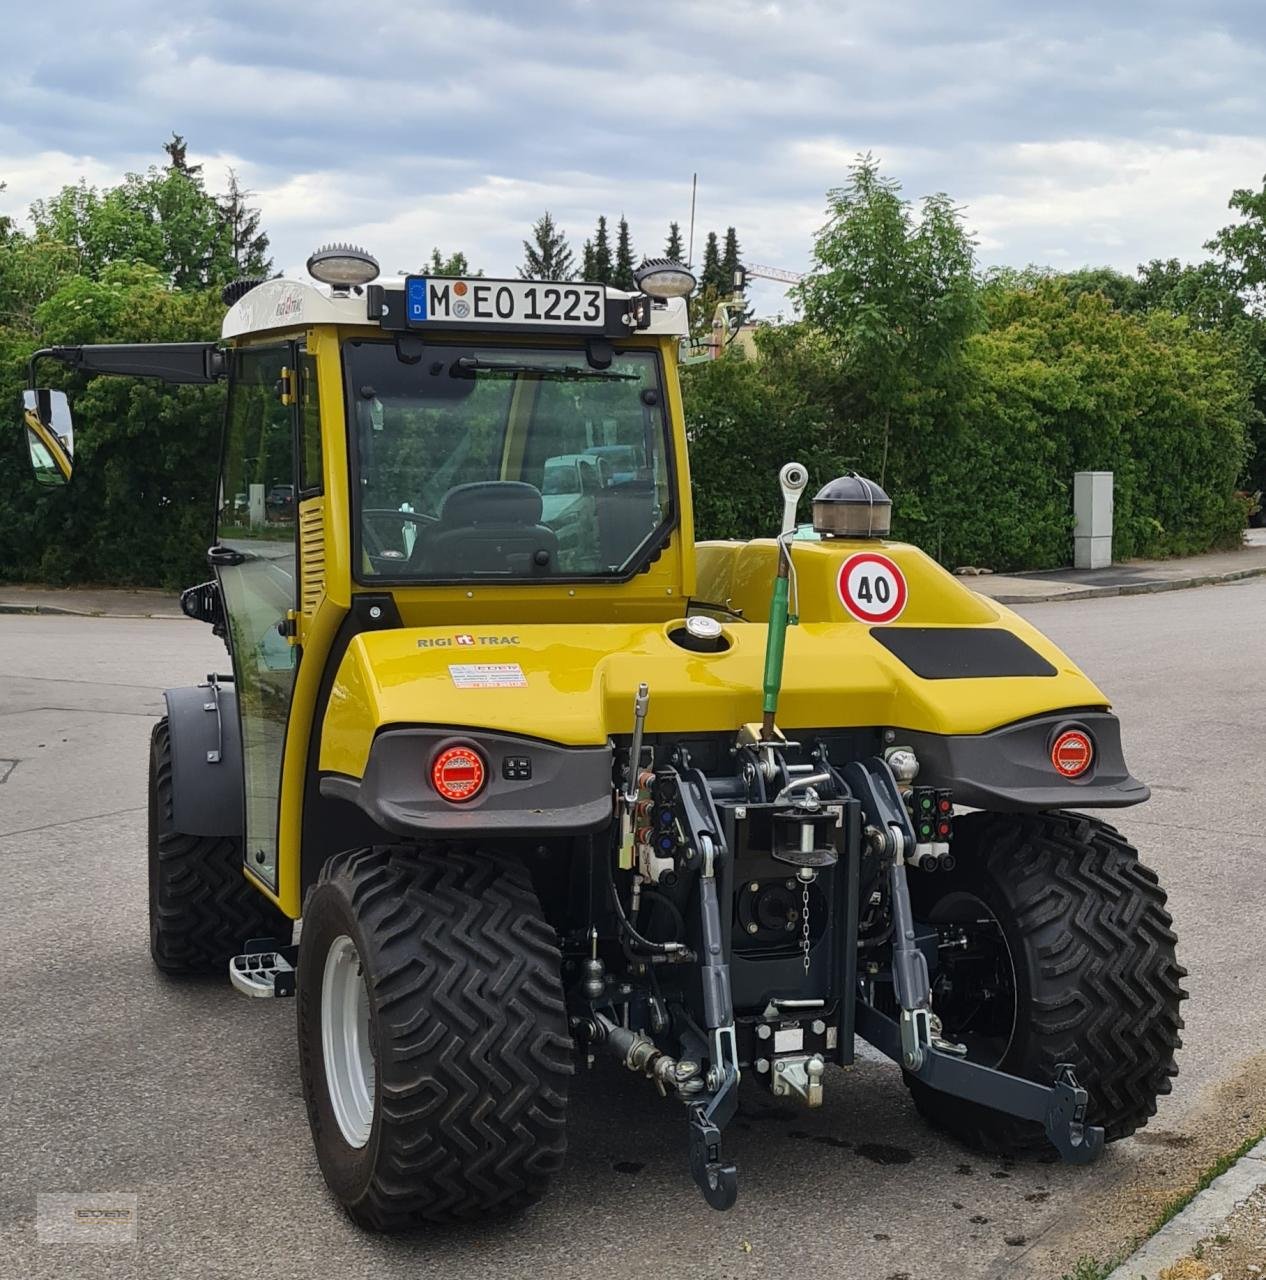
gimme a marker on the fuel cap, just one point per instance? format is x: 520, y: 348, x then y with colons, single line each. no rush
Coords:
x: 703, y: 628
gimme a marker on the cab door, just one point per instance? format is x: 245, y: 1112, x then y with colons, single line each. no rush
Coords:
x: 255, y: 561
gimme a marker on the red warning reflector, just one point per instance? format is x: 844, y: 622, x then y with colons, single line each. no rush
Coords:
x: 1072, y: 753
x: 458, y: 774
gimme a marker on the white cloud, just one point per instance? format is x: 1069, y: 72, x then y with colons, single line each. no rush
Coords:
x: 1073, y: 133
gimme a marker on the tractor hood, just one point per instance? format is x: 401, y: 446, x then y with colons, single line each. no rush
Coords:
x: 574, y: 686
x: 984, y: 699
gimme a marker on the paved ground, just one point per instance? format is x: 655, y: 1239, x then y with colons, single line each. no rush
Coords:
x: 186, y: 1094
x: 1129, y: 578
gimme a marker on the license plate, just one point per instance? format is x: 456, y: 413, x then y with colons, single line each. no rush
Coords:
x: 525, y: 303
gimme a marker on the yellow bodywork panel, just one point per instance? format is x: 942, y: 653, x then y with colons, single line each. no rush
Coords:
x: 578, y: 683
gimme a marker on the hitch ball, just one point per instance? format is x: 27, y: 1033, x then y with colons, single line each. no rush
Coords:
x: 850, y: 506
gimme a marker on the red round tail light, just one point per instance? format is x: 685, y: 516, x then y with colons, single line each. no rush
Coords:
x: 459, y: 774
x: 1072, y: 753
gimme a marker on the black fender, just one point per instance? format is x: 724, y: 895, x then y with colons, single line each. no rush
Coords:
x: 206, y: 760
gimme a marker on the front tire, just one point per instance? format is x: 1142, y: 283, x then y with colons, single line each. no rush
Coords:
x: 1070, y: 958
x: 433, y: 1037
x: 201, y: 907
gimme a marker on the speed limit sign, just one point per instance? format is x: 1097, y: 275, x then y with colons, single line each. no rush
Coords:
x: 872, y: 588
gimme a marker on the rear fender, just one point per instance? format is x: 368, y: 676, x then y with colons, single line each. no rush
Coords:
x: 206, y: 761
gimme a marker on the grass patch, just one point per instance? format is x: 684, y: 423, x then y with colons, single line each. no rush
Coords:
x: 1215, y: 1170
x: 1089, y: 1269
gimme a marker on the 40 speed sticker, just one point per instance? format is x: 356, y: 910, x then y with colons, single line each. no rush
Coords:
x: 872, y: 588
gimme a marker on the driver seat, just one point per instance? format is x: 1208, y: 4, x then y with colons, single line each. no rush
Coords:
x: 488, y: 527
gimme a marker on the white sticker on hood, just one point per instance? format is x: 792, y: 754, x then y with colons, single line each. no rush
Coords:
x: 487, y: 675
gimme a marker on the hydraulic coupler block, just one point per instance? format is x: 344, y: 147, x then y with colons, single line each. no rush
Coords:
x: 932, y: 813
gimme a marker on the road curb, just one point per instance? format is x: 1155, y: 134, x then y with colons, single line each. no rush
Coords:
x: 1199, y: 1220
x: 56, y: 611
x: 1131, y: 588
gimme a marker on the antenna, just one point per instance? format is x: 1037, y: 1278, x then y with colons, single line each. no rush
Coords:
x: 694, y: 188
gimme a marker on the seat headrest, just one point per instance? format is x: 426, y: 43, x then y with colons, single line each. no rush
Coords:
x: 491, y: 502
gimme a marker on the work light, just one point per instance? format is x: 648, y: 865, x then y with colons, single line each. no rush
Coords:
x: 342, y: 266
x: 664, y: 278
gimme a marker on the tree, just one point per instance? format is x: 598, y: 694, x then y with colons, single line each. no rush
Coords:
x: 730, y: 260
x: 455, y: 264
x: 898, y: 295
x: 177, y: 159
x: 163, y: 217
x: 622, y: 274
x: 1241, y: 247
x: 588, y: 264
x: 603, y: 268
x: 674, y: 250
x: 713, y: 276
x: 247, y: 243
x: 547, y: 256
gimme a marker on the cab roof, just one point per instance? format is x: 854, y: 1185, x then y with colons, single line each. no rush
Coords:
x: 277, y: 305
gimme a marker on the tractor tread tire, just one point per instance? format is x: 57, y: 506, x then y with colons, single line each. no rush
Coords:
x: 201, y: 907
x: 469, y: 1028
x: 1104, y: 981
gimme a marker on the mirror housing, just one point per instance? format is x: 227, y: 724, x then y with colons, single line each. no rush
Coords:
x: 204, y: 603
x: 50, y: 434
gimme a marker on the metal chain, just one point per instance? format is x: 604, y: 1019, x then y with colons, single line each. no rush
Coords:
x: 804, y: 940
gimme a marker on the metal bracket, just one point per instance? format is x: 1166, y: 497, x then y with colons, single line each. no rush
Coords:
x: 717, y: 1180
x: 215, y: 755
x: 1059, y: 1107
x: 798, y: 1077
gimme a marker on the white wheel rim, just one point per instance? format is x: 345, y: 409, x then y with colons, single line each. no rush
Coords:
x: 350, y: 1074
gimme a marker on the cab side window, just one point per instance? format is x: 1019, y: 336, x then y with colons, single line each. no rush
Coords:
x: 309, y: 428
x: 257, y: 499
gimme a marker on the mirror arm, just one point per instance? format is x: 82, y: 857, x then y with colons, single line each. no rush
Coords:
x: 195, y: 363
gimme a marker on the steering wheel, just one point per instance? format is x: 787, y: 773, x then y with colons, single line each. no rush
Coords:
x: 375, y: 547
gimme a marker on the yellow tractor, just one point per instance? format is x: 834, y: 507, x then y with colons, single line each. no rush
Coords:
x: 511, y: 773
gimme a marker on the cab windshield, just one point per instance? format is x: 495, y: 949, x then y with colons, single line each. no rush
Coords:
x: 506, y: 462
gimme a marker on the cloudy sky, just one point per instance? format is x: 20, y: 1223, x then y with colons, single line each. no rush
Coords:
x: 1070, y: 132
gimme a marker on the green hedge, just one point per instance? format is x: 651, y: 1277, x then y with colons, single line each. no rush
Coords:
x: 980, y: 469
x: 139, y: 511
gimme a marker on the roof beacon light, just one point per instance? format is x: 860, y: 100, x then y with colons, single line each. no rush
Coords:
x: 664, y: 278
x: 342, y: 266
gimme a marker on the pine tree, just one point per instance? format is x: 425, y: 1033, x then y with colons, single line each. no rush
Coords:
x: 602, y: 265
x: 730, y: 261
x: 246, y: 242
x: 713, y: 274
x: 547, y: 256
x: 674, y: 250
x: 588, y: 269
x: 176, y: 156
x: 622, y: 276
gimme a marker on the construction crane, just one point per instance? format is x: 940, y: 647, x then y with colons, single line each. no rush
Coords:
x: 757, y: 272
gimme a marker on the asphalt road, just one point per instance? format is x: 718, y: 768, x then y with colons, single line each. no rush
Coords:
x: 186, y: 1095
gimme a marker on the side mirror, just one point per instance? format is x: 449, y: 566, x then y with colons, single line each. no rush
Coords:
x: 204, y: 603
x: 49, y: 434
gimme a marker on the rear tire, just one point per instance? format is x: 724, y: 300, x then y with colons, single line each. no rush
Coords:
x: 1094, y: 977
x: 450, y: 1103
x: 201, y: 907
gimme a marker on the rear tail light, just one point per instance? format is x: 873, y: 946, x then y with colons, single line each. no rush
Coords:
x: 459, y: 774
x: 1072, y: 753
